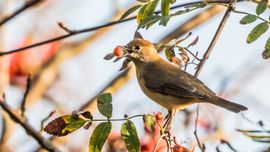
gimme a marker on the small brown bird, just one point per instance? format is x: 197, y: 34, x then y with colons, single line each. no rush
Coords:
x: 167, y: 84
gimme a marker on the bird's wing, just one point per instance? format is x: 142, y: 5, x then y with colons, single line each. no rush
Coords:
x: 173, y: 81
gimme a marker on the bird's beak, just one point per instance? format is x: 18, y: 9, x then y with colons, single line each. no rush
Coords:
x: 129, y: 52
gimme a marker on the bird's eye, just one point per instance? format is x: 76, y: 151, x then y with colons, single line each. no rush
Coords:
x: 137, y: 47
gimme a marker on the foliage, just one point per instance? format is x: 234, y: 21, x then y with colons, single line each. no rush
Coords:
x: 130, y: 136
x: 257, y: 135
x: 148, y: 16
x: 260, y: 28
x: 104, y: 104
x: 66, y: 124
x: 99, y: 136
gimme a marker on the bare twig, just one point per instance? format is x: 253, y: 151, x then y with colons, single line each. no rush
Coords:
x: 62, y: 26
x: 222, y: 141
x: 3, y: 130
x: 28, y: 85
x: 158, y: 142
x: 45, y: 119
x: 194, y: 55
x: 196, y: 128
x: 119, y: 119
x: 215, y: 38
x: 95, y: 28
x: 28, y: 128
x: 27, y: 5
x: 241, y: 12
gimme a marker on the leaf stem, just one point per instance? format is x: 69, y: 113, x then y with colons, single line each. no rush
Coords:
x: 119, y: 119
x: 246, y: 13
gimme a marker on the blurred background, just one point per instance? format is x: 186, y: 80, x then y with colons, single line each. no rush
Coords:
x: 68, y: 74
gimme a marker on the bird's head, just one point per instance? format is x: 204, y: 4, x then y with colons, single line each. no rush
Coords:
x: 140, y: 50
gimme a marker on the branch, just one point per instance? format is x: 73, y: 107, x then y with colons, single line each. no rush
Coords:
x: 215, y: 38
x: 119, y: 119
x: 245, y: 13
x: 28, y: 85
x: 48, y: 72
x: 196, y: 128
x: 206, y: 56
x: 27, y: 127
x: 3, y: 130
x: 222, y: 141
x: 76, y: 32
x: 27, y: 5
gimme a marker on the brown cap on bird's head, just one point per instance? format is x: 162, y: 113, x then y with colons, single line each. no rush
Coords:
x: 142, y: 50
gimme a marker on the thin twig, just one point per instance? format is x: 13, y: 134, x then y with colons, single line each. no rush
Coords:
x: 27, y: 5
x: 158, y: 142
x: 120, y: 119
x: 45, y: 119
x: 3, y: 130
x: 62, y: 26
x: 76, y: 32
x: 215, y: 38
x: 228, y: 144
x: 44, y: 143
x: 196, y: 128
x: 246, y: 13
x: 28, y: 85
x: 194, y: 55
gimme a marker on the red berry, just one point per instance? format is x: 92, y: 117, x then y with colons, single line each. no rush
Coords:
x: 118, y: 51
x: 178, y: 148
x: 159, y: 116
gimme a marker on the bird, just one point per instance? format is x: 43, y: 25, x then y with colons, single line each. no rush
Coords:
x: 167, y: 84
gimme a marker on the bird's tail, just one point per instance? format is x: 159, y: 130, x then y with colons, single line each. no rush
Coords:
x: 234, y: 107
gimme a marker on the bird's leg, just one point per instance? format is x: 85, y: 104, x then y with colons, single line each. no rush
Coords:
x: 169, y: 118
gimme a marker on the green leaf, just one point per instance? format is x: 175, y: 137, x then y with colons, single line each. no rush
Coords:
x: 165, y: 7
x: 267, y: 44
x: 152, y: 7
x: 129, y: 11
x: 248, y: 19
x: 143, y: 1
x: 147, y: 10
x: 257, y: 31
x: 130, y: 136
x: 164, y: 20
x: 141, y: 14
x: 64, y: 125
x: 172, y: 1
x: 168, y: 53
x: 149, y: 122
x: 99, y: 136
x: 196, y: 5
x: 189, y: 8
x: 261, y: 7
x: 149, y: 21
x: 179, y: 12
x: 104, y: 104
x: 266, y: 52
